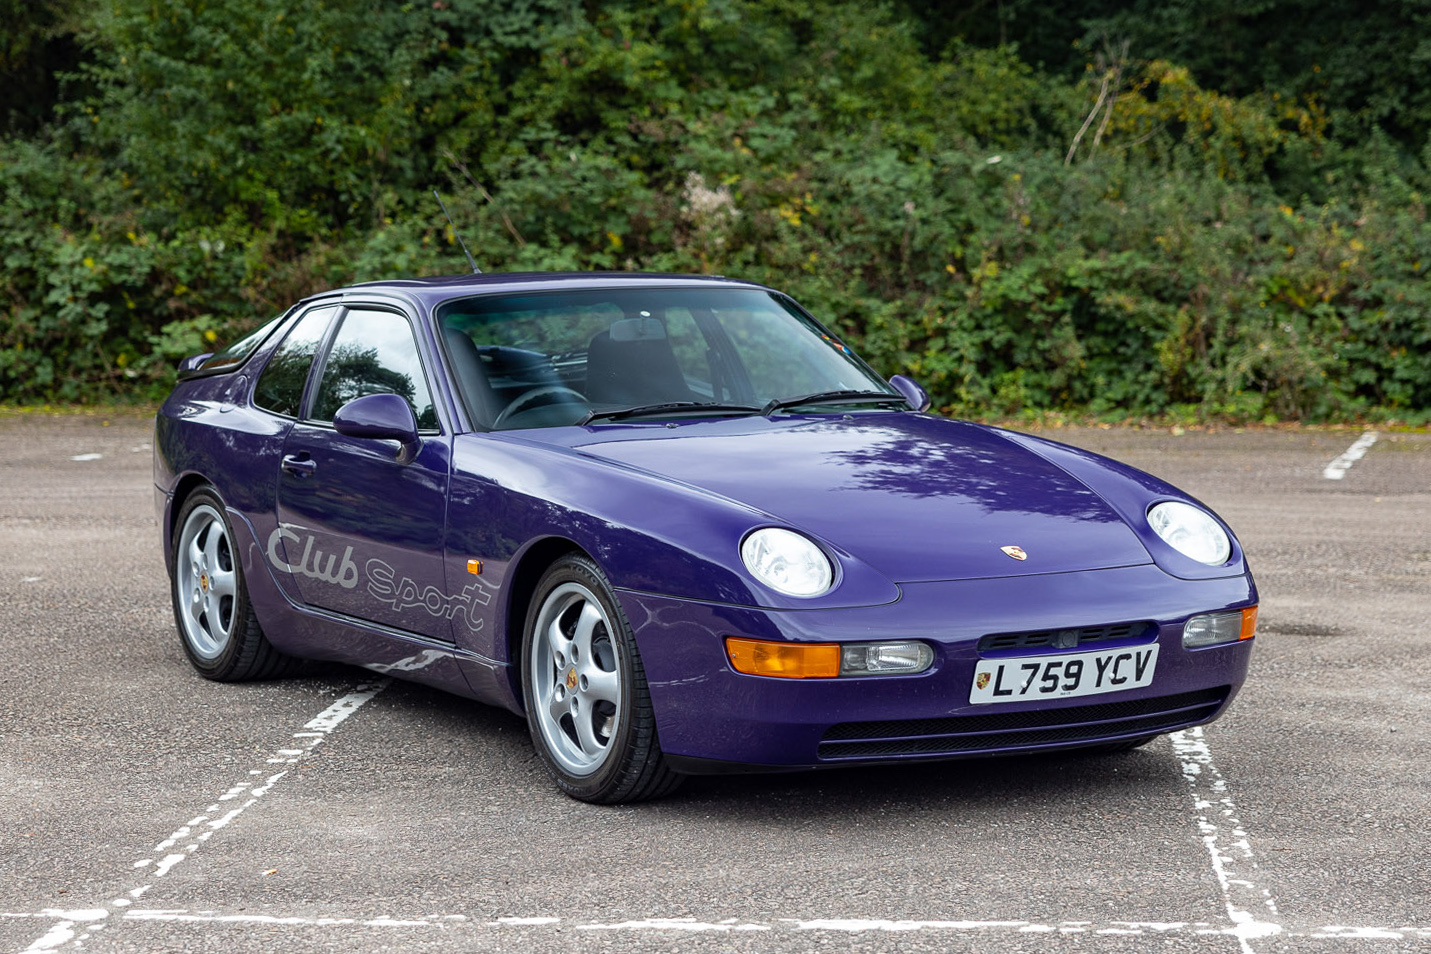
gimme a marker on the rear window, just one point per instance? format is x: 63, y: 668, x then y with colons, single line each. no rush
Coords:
x: 236, y: 353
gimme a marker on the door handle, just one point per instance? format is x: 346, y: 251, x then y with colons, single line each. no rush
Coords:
x: 299, y: 465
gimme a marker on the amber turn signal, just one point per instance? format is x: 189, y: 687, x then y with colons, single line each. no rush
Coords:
x: 756, y: 657
x: 1249, y: 623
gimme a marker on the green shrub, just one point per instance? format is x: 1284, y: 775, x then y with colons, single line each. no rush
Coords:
x: 1199, y: 254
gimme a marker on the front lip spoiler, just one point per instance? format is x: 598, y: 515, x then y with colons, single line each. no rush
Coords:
x: 693, y: 765
x: 1200, y: 715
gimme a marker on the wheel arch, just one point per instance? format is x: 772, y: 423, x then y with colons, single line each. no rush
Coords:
x: 245, y: 653
x: 522, y: 580
x: 183, y: 489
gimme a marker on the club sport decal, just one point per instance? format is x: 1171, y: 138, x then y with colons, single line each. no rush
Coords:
x: 382, y: 580
x: 312, y: 565
x: 406, y: 595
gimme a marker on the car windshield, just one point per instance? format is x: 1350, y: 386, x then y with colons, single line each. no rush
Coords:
x: 555, y: 359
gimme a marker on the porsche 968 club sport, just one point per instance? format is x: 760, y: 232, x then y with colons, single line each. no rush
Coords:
x: 680, y: 527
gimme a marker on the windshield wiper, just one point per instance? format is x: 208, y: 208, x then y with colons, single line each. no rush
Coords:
x: 639, y: 410
x: 831, y: 397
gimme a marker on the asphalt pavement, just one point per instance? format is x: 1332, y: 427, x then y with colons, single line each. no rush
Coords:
x: 144, y: 809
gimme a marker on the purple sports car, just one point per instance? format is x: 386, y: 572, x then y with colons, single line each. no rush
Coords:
x: 680, y: 526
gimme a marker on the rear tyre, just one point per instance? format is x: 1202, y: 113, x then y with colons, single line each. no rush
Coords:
x: 588, y: 706
x: 217, y: 626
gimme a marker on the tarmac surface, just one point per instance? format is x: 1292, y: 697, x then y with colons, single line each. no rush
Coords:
x: 145, y: 809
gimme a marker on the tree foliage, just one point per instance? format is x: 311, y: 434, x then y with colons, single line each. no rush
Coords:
x: 1024, y: 210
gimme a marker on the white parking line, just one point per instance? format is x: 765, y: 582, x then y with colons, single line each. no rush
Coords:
x: 1250, y: 908
x: 1338, y: 468
x: 63, y: 931
x: 845, y: 926
x: 77, y: 926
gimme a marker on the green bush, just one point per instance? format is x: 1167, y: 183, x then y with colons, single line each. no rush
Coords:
x: 1194, y: 254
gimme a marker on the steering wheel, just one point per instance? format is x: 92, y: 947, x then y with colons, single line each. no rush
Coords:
x: 527, y: 399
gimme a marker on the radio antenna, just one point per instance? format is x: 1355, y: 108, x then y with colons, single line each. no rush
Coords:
x: 475, y: 269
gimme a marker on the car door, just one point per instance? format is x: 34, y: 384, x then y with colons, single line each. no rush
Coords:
x: 360, y: 532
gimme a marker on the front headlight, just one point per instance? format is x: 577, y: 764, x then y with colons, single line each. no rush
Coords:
x: 1191, y: 532
x: 787, y: 562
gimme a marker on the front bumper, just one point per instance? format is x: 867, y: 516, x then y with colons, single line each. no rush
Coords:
x: 711, y: 718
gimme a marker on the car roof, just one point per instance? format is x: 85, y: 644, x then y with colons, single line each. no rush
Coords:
x: 432, y: 291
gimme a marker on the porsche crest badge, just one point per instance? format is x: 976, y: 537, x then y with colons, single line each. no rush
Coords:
x: 1016, y: 552
x: 981, y: 681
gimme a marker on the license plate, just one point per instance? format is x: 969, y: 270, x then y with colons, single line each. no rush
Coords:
x: 1020, y: 678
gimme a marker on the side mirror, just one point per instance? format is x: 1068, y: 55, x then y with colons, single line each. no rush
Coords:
x: 192, y: 362
x: 910, y: 390
x: 380, y: 417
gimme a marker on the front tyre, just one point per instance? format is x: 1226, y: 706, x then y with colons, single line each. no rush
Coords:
x: 588, y: 707
x: 217, y: 626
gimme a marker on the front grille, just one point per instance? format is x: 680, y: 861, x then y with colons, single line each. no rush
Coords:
x: 1004, y: 730
x: 1062, y: 638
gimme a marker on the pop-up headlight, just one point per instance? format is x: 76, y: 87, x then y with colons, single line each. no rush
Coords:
x: 787, y: 562
x: 1191, y: 532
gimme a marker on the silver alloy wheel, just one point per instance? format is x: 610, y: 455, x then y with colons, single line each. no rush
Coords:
x: 206, y: 582
x: 574, y: 679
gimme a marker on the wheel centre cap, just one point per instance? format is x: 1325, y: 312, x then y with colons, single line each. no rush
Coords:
x: 204, y: 582
x: 571, y: 679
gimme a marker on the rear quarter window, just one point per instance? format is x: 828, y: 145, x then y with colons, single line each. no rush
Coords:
x: 280, y: 386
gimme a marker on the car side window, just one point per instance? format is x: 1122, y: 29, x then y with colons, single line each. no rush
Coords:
x: 374, y: 352
x: 280, y: 386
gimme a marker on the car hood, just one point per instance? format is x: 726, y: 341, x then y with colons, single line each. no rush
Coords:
x: 915, y: 497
